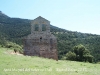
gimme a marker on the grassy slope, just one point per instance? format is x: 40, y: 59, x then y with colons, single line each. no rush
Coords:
x: 24, y: 65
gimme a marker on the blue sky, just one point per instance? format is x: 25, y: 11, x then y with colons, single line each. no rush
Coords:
x: 75, y: 15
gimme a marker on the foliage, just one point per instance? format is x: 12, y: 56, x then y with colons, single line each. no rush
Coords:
x: 7, y: 44
x: 88, y: 58
x: 82, y: 54
x: 71, y: 56
x: 14, y: 46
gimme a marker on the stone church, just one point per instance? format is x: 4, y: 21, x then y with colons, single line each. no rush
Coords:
x: 41, y: 42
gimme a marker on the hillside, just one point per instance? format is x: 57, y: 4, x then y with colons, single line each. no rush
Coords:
x: 13, y: 29
x: 15, y: 64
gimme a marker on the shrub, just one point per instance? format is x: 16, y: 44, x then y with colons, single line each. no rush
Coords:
x: 88, y: 58
x: 70, y: 56
x: 82, y: 54
x: 14, y: 46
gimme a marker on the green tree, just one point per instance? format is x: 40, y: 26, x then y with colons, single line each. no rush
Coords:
x: 82, y: 54
x: 71, y: 56
x: 79, y: 50
x: 88, y: 58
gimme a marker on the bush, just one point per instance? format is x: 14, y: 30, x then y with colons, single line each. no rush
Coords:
x: 70, y: 56
x: 82, y: 54
x: 14, y: 46
x: 18, y: 50
x: 10, y: 45
x: 88, y: 58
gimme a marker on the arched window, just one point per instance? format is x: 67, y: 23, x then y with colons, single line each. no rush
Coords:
x: 36, y: 27
x: 43, y: 27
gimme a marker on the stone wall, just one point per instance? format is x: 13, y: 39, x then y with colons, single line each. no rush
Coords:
x: 40, y: 42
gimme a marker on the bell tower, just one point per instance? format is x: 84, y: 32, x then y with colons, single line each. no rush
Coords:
x: 39, y: 25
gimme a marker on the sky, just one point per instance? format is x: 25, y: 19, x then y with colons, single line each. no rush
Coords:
x: 74, y: 15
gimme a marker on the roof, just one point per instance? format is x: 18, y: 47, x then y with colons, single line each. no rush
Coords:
x: 40, y: 18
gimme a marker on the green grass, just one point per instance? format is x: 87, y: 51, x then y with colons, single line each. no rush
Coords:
x: 26, y: 65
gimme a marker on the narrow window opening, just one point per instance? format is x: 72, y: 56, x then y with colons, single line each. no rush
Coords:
x: 36, y: 27
x: 43, y: 27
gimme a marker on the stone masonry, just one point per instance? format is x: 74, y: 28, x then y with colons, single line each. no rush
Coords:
x: 41, y: 42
